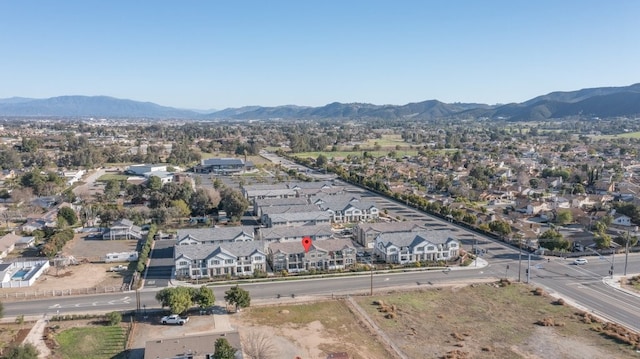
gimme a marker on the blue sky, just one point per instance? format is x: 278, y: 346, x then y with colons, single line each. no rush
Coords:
x: 219, y: 54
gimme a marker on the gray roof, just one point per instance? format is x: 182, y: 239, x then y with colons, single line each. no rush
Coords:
x: 204, y: 343
x: 342, y: 202
x: 222, y: 162
x: 406, y: 226
x: 296, y: 247
x: 215, y: 234
x: 273, y: 192
x: 410, y: 239
x: 296, y: 231
x: 301, y: 216
x: 290, y: 209
x: 272, y: 202
x: 205, y: 250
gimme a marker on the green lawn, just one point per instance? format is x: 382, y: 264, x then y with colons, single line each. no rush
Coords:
x: 621, y: 135
x: 112, y: 177
x: 91, y: 342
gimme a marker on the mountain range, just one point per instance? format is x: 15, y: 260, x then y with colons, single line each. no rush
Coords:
x: 600, y: 102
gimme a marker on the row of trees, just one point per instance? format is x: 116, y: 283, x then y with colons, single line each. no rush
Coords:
x: 180, y: 299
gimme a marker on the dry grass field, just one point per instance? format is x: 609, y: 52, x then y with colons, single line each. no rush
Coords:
x: 491, y: 321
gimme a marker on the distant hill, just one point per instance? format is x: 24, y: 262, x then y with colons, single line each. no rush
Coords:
x: 89, y: 106
x: 593, y: 102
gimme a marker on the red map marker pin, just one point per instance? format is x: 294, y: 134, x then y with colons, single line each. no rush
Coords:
x: 306, y: 243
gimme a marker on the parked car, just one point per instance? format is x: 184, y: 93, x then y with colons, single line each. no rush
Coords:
x: 580, y: 261
x: 174, y: 319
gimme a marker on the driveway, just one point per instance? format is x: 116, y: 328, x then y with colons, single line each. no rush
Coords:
x: 149, y: 328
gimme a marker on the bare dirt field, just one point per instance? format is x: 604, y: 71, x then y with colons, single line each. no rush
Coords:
x: 311, y: 330
x: 86, y: 277
x: 490, y: 321
x: 466, y: 321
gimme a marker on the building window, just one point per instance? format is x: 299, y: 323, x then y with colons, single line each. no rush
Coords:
x: 228, y: 261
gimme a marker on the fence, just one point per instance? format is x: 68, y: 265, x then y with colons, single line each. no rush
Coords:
x: 26, y: 295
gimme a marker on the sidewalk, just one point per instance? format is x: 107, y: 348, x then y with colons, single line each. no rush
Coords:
x: 615, y: 283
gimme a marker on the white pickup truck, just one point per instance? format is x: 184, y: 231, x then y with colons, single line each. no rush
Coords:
x: 174, y: 319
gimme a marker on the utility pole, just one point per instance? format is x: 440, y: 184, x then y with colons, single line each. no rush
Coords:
x: 519, y: 258
x: 371, y: 267
x: 529, y: 269
x: 626, y: 253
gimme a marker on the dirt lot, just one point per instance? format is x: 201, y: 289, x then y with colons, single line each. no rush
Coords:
x: 478, y: 321
x: 489, y: 321
x: 81, y: 277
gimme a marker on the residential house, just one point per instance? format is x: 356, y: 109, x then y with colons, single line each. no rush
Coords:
x: 622, y: 220
x: 260, y: 203
x: 366, y: 233
x: 254, y: 192
x: 411, y: 247
x: 26, y: 242
x: 310, y: 189
x: 348, y: 208
x: 215, y: 235
x: 297, y: 219
x: 301, y: 208
x: 164, y: 176
x: 330, y: 254
x: 33, y: 224
x: 8, y: 243
x: 208, y: 260
x: 73, y: 176
x: 191, y: 346
x: 122, y: 229
x: 295, y: 234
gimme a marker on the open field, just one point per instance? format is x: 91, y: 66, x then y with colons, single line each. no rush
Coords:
x: 86, y: 277
x: 112, y: 177
x: 489, y: 321
x: 311, y: 330
x: 94, y: 342
x: 466, y: 321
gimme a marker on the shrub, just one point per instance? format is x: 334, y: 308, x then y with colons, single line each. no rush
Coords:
x: 114, y: 318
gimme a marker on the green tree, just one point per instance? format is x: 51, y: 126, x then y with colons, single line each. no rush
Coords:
x: 551, y: 239
x: 25, y: 351
x: 321, y: 161
x: 238, y: 297
x: 154, y: 183
x: 69, y: 215
x: 205, y: 297
x: 181, y: 207
x: 201, y: 202
x: 564, y: 217
x: 223, y: 350
x: 603, y: 240
x: 501, y: 227
x: 114, y: 318
x: 234, y: 202
x: 178, y: 299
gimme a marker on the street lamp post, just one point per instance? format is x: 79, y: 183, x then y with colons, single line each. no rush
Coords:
x: 613, y: 259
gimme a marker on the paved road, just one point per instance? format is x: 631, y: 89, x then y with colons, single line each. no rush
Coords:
x: 583, y: 285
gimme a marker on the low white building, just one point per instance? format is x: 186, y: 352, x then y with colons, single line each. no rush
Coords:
x: 411, y: 247
x: 210, y: 260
